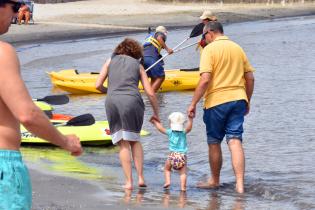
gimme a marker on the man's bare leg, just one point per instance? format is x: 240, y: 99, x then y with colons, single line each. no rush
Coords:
x: 215, y: 161
x: 238, y: 163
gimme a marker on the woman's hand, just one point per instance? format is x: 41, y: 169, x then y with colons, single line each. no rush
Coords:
x: 155, y: 118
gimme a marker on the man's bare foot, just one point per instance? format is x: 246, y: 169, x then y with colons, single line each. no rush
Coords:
x: 208, y: 185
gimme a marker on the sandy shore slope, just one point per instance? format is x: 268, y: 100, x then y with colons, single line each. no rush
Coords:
x: 105, y: 17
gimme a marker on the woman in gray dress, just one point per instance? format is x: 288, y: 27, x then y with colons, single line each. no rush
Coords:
x: 124, y: 105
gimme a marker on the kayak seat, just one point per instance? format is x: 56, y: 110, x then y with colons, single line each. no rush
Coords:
x: 193, y: 69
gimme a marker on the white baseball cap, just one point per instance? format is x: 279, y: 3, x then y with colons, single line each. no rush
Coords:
x: 177, y: 120
x: 161, y: 29
x: 207, y: 15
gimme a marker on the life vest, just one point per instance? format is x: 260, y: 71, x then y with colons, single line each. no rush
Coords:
x: 150, y: 40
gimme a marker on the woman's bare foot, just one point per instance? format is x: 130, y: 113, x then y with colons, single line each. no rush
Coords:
x: 141, y: 182
x: 166, y: 185
x: 239, y: 188
x: 142, y: 185
x: 128, y: 186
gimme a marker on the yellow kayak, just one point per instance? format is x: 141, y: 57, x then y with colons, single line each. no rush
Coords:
x: 81, y: 83
x: 96, y: 134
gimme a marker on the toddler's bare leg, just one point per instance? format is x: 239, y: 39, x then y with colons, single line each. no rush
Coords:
x: 183, y: 178
x: 167, y: 173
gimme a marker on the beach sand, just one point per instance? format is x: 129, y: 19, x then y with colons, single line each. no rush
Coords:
x: 110, y: 18
x: 96, y: 18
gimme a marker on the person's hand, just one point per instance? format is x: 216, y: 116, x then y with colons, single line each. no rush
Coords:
x: 191, y: 111
x: 247, y: 108
x: 170, y: 51
x: 154, y: 119
x: 73, y: 145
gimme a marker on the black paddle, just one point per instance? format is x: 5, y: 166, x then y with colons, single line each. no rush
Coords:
x: 81, y: 120
x: 54, y: 99
x: 197, y: 30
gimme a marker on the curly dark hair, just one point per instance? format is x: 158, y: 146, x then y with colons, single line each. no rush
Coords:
x: 129, y: 47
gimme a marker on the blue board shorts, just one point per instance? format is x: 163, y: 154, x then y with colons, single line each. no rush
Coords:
x: 225, y: 120
x: 157, y: 70
x: 15, y: 185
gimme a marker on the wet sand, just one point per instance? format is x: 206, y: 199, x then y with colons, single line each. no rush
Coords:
x: 55, y: 192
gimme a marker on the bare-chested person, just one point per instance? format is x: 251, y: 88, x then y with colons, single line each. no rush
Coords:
x: 16, y: 106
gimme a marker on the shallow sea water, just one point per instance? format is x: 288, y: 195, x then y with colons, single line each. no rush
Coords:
x: 279, y: 137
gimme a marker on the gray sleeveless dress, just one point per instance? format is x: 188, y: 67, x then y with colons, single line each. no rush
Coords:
x: 124, y: 105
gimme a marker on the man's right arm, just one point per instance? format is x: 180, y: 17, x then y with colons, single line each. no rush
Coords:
x: 199, y: 92
x: 249, y: 84
x: 14, y: 94
x: 205, y: 69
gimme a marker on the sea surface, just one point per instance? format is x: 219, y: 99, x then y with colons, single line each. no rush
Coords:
x: 279, y: 138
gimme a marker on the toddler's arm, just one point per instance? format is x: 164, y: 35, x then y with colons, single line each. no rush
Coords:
x: 189, y: 124
x: 158, y: 125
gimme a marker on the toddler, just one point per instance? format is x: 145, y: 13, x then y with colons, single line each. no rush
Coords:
x: 177, y: 158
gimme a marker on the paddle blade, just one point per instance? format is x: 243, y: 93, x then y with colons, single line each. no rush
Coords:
x: 81, y: 120
x: 55, y: 99
x: 197, y: 30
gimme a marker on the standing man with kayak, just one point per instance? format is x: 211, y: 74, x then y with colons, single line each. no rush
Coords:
x: 16, y: 106
x: 151, y: 53
x: 227, y: 84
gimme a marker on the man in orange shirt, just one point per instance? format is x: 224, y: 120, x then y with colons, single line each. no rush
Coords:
x: 24, y: 14
x: 227, y: 84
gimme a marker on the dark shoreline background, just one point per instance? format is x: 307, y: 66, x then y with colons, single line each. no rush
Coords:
x: 72, y: 28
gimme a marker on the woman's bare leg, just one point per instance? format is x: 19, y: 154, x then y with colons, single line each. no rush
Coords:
x: 137, y: 154
x: 125, y: 159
